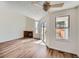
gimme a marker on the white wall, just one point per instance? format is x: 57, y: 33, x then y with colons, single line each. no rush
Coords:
x: 63, y: 45
x: 30, y: 23
x: 78, y: 32
x: 12, y: 25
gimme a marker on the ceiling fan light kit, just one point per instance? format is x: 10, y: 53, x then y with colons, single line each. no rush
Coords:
x: 47, y: 5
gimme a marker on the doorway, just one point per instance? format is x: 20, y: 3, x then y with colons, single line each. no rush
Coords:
x: 43, y: 32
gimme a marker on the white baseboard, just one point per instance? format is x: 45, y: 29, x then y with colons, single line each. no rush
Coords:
x: 10, y: 39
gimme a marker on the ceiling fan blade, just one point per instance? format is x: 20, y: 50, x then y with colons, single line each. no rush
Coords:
x: 57, y: 5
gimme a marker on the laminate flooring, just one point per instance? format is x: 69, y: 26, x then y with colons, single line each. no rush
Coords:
x: 30, y: 48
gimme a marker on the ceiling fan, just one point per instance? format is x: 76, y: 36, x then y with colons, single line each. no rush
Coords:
x: 47, y: 5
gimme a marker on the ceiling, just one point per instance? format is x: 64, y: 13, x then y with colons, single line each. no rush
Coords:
x: 26, y: 8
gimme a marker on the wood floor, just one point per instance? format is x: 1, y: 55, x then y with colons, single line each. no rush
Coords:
x: 29, y: 48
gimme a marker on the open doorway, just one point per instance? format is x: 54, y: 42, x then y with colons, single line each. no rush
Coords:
x: 43, y: 32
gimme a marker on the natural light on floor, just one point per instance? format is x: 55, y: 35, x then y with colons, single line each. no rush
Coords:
x: 39, y: 42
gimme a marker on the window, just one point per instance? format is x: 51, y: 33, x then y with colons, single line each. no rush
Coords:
x: 36, y: 26
x: 62, y: 27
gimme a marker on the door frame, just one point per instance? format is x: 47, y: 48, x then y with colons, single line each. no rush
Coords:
x: 43, y: 30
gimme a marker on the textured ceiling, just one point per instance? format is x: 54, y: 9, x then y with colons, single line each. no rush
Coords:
x: 26, y: 8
